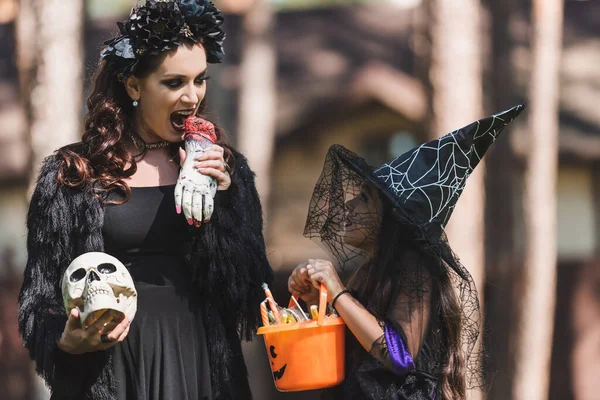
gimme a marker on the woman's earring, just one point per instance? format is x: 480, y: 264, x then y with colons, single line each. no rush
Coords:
x: 135, y: 103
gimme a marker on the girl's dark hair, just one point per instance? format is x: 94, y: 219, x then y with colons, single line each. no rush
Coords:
x: 453, y: 373
x: 400, y: 269
x: 102, y: 160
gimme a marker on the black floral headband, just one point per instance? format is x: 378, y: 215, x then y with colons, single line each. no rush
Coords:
x: 161, y: 25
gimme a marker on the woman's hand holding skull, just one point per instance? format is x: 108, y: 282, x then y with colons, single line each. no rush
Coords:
x: 77, y: 340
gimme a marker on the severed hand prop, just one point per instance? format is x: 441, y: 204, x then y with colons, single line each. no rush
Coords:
x: 194, y: 192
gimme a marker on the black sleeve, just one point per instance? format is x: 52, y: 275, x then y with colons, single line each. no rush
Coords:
x: 228, y: 255
x: 50, y: 244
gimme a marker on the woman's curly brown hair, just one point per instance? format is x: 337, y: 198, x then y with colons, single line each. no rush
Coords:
x: 103, y: 160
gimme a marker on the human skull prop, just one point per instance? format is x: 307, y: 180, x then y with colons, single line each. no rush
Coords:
x: 96, y: 283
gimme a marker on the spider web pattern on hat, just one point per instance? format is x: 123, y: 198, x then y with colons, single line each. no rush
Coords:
x: 428, y: 180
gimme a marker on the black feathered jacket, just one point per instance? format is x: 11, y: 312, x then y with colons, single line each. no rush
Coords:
x: 227, y: 259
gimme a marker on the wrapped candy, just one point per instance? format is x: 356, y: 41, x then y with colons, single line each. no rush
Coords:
x: 314, y: 312
x: 272, y: 314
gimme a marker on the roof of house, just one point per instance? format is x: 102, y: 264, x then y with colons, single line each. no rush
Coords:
x: 329, y: 58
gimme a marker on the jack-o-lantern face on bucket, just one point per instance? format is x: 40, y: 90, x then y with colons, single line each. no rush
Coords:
x: 277, y: 373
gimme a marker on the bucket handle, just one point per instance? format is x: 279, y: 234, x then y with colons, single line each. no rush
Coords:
x: 322, y: 304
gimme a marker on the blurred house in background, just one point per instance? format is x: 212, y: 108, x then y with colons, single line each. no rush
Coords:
x: 354, y: 76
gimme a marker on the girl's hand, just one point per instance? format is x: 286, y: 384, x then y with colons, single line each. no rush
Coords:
x: 301, y: 287
x: 76, y: 340
x: 323, y: 272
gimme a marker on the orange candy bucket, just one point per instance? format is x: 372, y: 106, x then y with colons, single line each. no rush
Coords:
x: 307, y: 355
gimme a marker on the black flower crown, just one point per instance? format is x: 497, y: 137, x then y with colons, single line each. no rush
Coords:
x: 161, y: 25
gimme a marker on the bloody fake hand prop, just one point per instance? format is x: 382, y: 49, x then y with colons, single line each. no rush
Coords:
x: 194, y: 192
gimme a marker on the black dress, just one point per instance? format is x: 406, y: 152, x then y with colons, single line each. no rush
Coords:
x: 368, y: 379
x: 164, y: 355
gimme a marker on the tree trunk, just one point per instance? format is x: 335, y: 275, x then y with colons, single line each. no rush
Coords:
x: 50, y: 57
x: 256, y: 139
x: 457, y: 99
x: 50, y: 62
x: 502, y: 263
x: 534, y: 348
x: 256, y: 135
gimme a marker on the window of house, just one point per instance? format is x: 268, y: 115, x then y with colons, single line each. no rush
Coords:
x: 576, y: 212
x: 380, y: 149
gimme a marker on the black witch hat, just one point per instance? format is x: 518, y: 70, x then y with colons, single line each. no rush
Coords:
x: 427, y: 181
x: 423, y: 184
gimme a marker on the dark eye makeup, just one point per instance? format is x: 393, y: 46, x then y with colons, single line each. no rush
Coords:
x: 177, y: 82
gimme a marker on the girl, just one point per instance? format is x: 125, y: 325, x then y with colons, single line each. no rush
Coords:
x: 410, y: 307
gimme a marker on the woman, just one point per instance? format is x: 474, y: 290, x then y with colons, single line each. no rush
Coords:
x: 198, y: 281
x: 410, y: 307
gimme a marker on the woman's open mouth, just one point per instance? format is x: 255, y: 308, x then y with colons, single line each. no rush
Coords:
x: 178, y: 119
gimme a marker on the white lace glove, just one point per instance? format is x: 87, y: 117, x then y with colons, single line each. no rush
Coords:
x: 195, y: 192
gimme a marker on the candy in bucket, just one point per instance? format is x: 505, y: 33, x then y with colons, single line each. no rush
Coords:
x: 273, y: 314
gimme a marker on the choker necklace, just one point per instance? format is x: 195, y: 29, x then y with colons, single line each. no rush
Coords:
x: 147, y: 146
